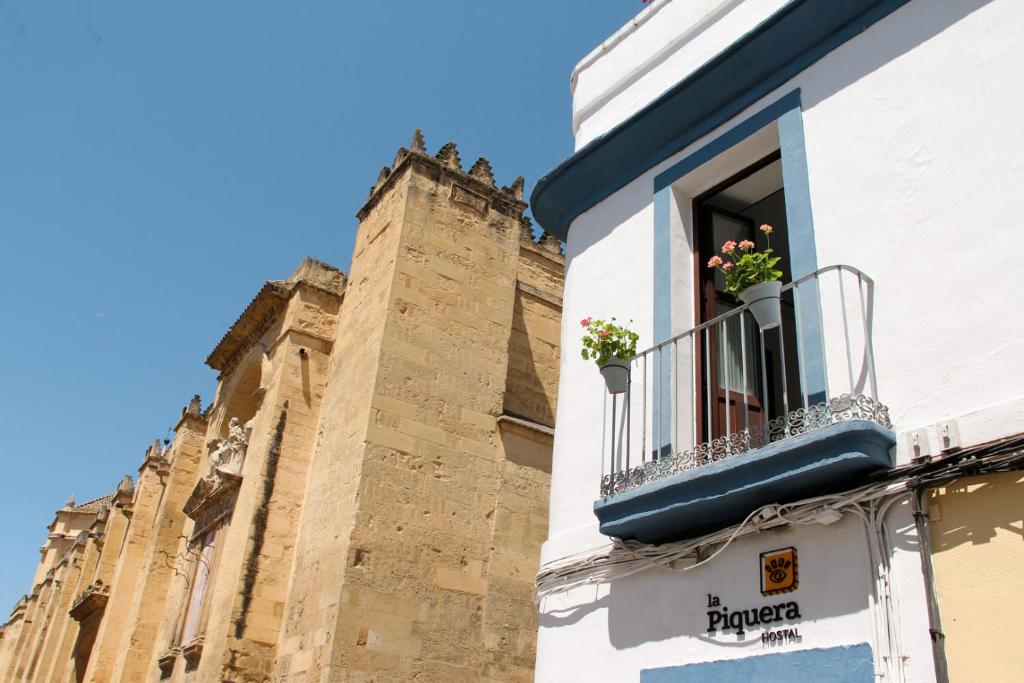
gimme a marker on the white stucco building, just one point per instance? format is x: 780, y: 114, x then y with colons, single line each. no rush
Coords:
x: 883, y: 140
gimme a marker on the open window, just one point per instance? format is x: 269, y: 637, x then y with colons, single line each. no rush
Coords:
x: 721, y: 416
x: 744, y: 379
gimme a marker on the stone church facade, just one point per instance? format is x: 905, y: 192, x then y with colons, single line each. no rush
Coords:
x: 366, y: 496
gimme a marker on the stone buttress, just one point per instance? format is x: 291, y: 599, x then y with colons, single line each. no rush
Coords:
x: 366, y: 496
x: 427, y: 499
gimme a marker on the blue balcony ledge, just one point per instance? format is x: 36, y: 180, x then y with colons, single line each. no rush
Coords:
x: 701, y: 500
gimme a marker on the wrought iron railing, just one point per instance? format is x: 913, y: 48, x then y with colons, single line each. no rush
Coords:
x: 726, y: 387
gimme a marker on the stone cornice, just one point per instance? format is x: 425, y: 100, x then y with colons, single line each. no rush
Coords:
x: 267, y: 307
x: 320, y: 288
x: 255, y: 320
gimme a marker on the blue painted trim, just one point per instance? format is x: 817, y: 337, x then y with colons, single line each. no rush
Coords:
x: 712, y: 497
x: 662, y: 319
x: 779, y: 48
x: 803, y: 254
x: 770, y: 114
x: 844, y: 664
x: 786, y: 113
x: 662, y: 265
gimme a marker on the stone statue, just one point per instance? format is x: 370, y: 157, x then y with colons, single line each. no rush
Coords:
x: 229, y: 455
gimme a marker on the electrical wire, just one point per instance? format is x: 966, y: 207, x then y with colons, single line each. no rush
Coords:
x: 621, y: 558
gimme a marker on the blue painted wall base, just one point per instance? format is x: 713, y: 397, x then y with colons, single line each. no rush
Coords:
x: 850, y: 664
x: 714, y: 496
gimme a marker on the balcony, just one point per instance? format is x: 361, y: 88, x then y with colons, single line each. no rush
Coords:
x: 725, y: 418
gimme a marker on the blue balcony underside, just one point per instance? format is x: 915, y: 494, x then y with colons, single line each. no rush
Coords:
x: 712, y: 497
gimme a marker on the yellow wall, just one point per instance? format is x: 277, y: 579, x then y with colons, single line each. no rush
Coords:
x: 978, y: 552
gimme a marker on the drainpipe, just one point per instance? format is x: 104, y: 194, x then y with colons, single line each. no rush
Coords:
x: 934, y: 619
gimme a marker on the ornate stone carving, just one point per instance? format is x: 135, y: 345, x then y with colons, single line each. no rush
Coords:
x: 125, y: 492
x: 507, y: 200
x: 382, y: 177
x: 525, y: 229
x: 481, y: 170
x: 418, y: 145
x: 470, y: 199
x: 214, y: 494
x: 400, y: 156
x: 156, y: 455
x: 516, y: 188
x: 194, y: 407
x: 449, y: 154
x: 229, y: 454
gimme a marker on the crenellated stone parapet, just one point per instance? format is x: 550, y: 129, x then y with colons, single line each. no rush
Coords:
x: 474, y: 188
x: 155, y: 457
x: 193, y: 416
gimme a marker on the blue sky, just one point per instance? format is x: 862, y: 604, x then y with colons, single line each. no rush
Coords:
x: 160, y: 160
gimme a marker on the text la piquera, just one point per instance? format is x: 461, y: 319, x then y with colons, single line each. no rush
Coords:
x: 721, y: 618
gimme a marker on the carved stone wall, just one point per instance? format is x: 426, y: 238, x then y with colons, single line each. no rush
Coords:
x: 40, y: 639
x: 376, y: 509
x: 436, y: 510
x: 138, y: 644
x: 130, y: 568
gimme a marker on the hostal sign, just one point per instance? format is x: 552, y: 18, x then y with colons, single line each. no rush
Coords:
x: 779, y: 574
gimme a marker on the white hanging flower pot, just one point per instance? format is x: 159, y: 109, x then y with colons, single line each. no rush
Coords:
x: 616, y: 375
x: 765, y: 301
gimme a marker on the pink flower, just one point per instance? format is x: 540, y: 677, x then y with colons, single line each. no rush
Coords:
x: 746, y: 245
x: 714, y: 261
x: 729, y: 247
x: 604, y: 333
x: 728, y: 265
x: 585, y: 322
x: 767, y: 229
